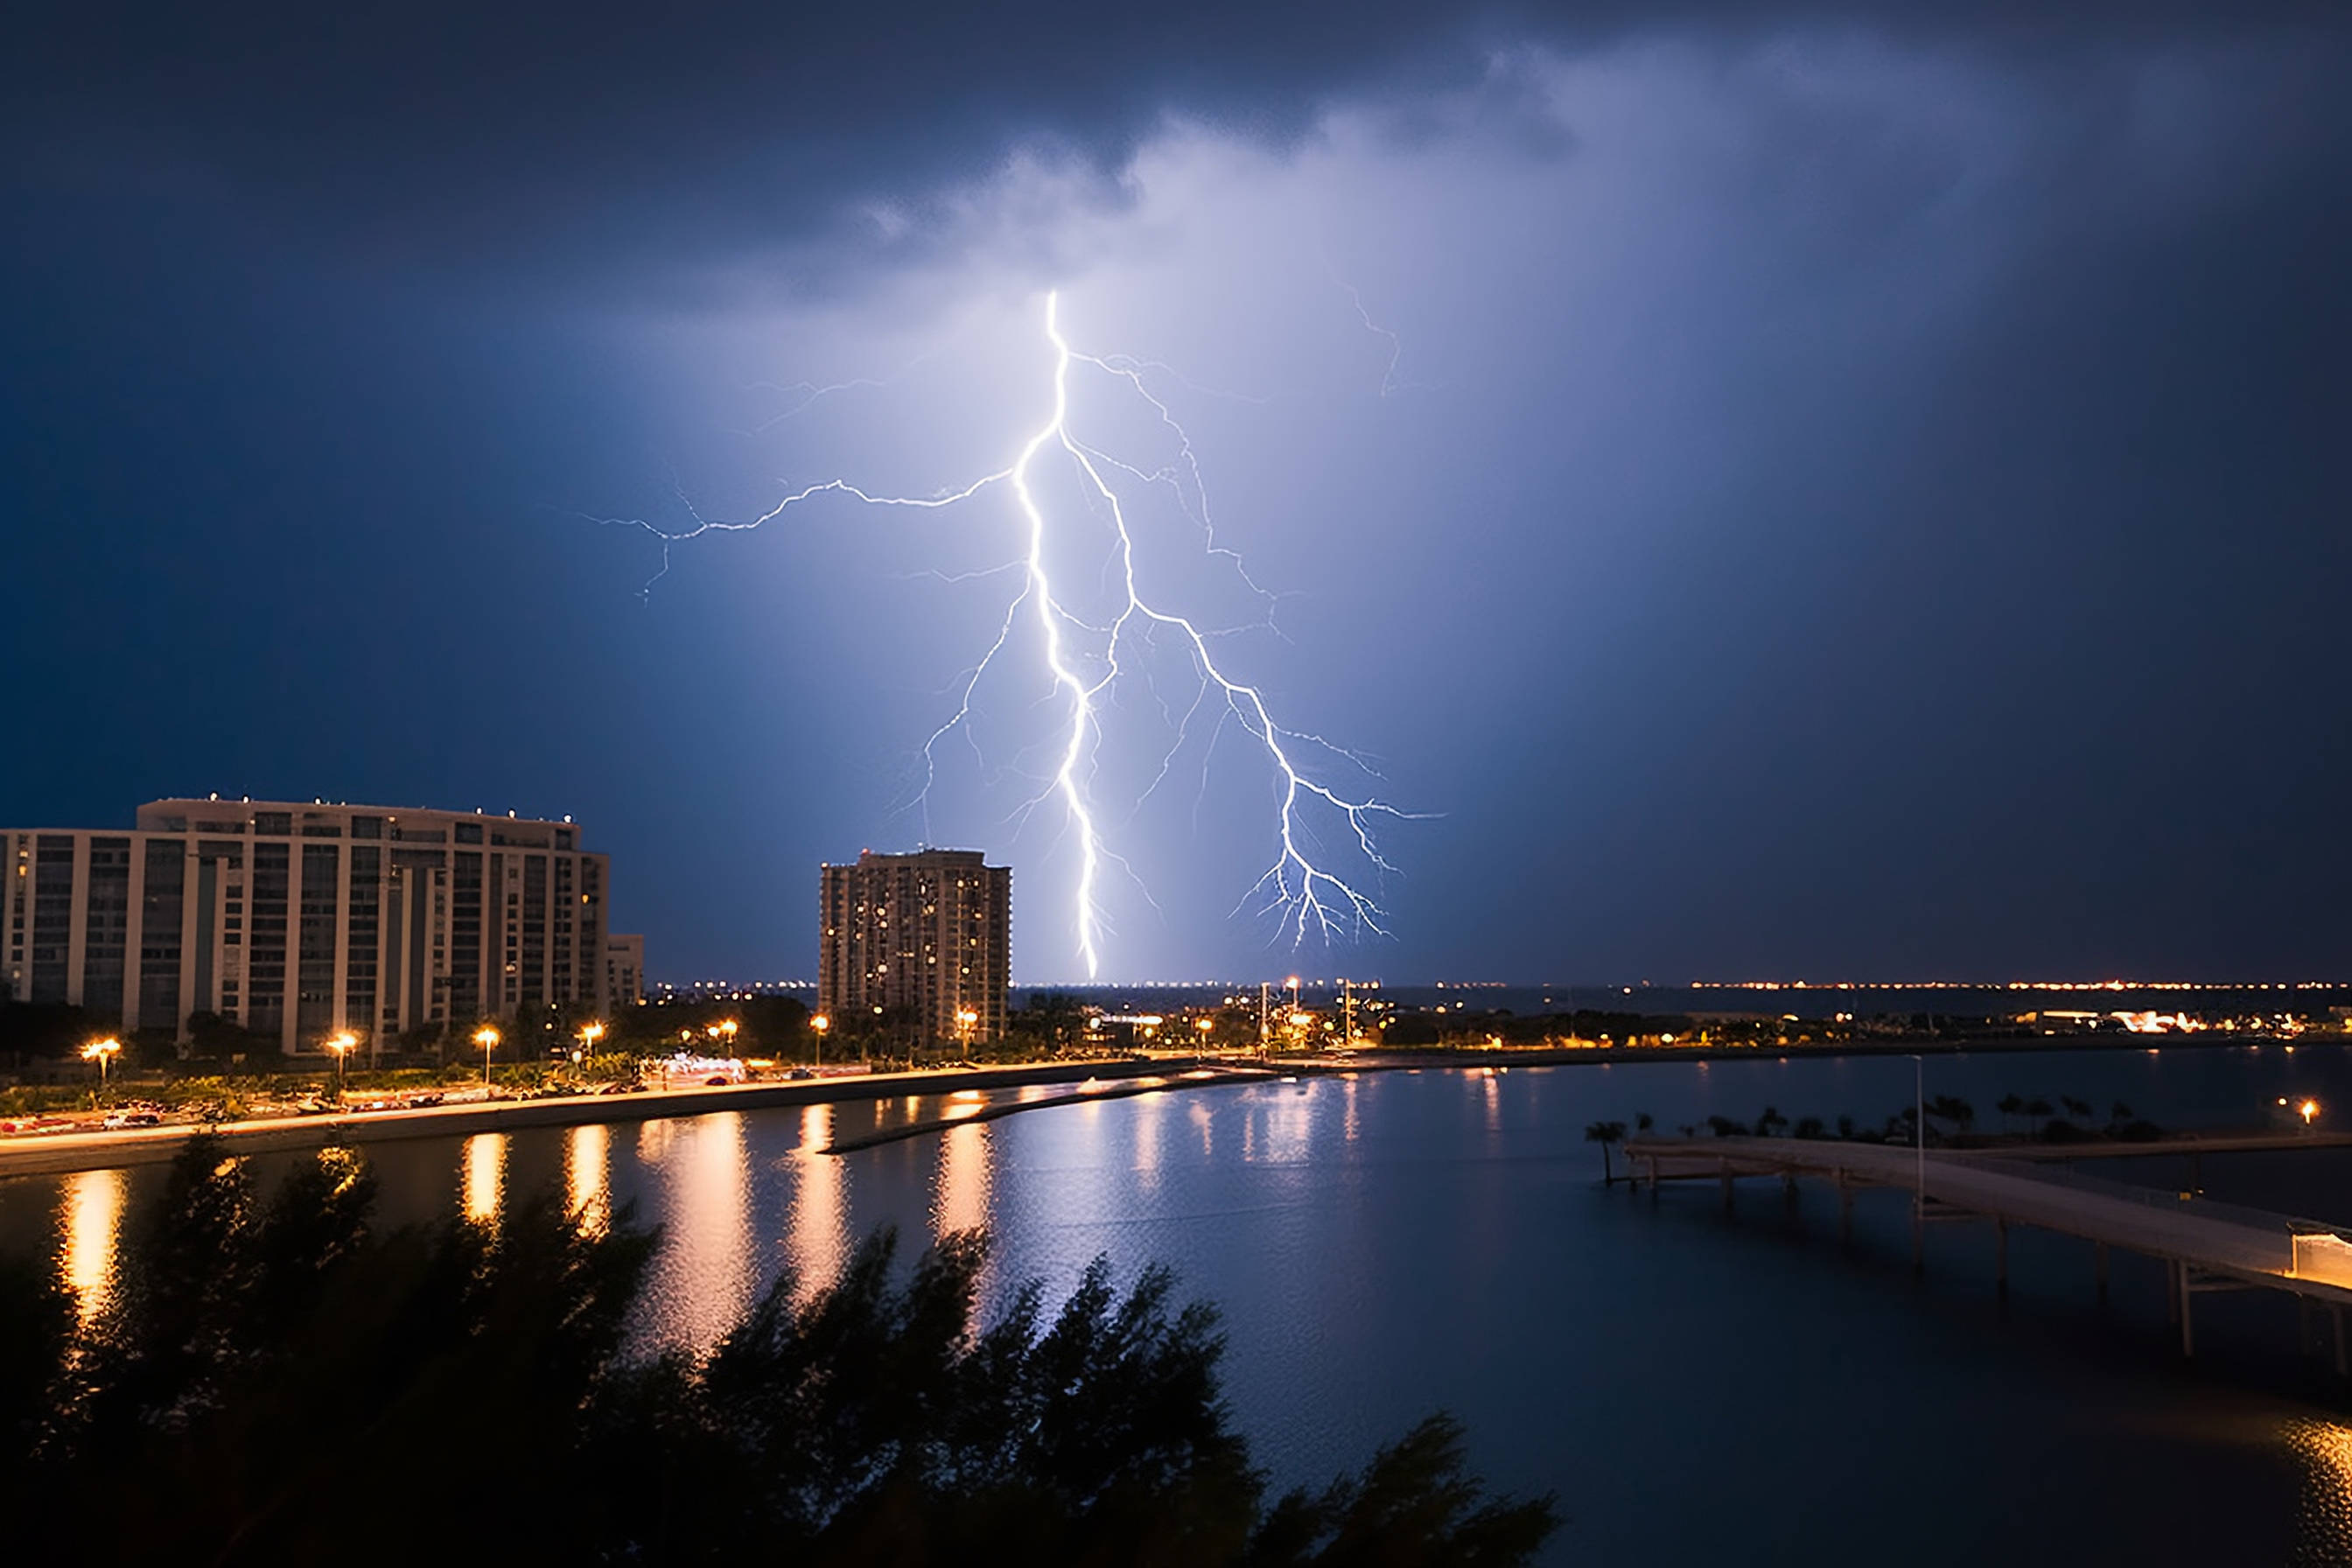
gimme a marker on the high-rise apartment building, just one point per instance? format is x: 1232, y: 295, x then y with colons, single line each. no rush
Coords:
x: 299, y: 920
x: 924, y: 936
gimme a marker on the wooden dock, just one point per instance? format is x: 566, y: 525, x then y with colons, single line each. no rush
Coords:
x: 2204, y: 1246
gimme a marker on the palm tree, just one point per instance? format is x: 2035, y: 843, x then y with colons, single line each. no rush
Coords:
x: 2038, y: 1110
x: 2009, y: 1105
x: 2078, y: 1109
x: 1643, y: 1121
x: 1606, y: 1133
x: 1770, y: 1119
x: 1954, y: 1109
x: 1845, y: 1126
x: 1809, y: 1127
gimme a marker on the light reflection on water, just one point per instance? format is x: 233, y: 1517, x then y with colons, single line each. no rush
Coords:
x: 818, y: 1242
x: 588, y: 1174
x: 960, y: 1195
x: 91, y: 1223
x: 704, y: 1277
x: 1150, y: 1110
x: 2325, y: 1450
x: 483, y: 1176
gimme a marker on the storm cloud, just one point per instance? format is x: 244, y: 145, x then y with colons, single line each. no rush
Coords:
x: 1788, y: 489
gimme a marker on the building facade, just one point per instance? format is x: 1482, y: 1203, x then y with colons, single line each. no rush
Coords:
x: 297, y: 921
x: 923, y: 937
x: 625, y: 971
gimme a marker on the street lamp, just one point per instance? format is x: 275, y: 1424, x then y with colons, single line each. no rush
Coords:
x: 727, y: 1027
x: 1205, y: 1026
x: 488, y: 1039
x: 965, y: 1019
x: 342, y: 1045
x: 102, y: 1052
x: 820, y: 1024
x: 2308, y: 1109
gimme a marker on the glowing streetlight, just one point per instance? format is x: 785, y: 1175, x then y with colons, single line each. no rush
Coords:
x: 965, y: 1019
x: 102, y: 1052
x: 2308, y: 1109
x: 820, y: 1024
x: 343, y: 1044
x: 727, y: 1027
x: 488, y: 1039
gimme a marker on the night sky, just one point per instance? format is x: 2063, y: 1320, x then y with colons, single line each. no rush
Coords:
x: 1783, y: 491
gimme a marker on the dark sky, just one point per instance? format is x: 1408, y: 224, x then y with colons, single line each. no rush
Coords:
x: 1820, y: 491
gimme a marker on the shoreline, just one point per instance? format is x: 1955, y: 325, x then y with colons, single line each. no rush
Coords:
x: 58, y: 1154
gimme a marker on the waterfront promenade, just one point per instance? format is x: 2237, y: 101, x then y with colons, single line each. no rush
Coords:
x: 54, y: 1154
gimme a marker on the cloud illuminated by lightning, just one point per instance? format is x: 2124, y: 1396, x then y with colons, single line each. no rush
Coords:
x: 1299, y: 892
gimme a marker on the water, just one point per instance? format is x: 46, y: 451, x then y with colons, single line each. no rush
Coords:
x: 1692, y: 1386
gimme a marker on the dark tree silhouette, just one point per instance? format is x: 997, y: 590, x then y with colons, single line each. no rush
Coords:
x: 1952, y: 1110
x: 266, y: 1367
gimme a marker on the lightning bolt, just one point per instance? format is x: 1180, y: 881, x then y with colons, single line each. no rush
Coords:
x: 1300, y: 892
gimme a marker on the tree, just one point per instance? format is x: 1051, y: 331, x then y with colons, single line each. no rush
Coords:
x: 1057, y: 1018
x: 2010, y: 1106
x: 1414, y: 1504
x: 1604, y: 1133
x: 48, y: 1029
x: 2078, y: 1109
x: 1768, y: 1124
x: 1954, y: 1111
x: 263, y: 1354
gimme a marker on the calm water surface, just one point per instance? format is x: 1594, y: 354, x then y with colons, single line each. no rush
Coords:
x: 1692, y: 1386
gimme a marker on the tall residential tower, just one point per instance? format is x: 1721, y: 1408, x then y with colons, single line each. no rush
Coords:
x: 926, y: 937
